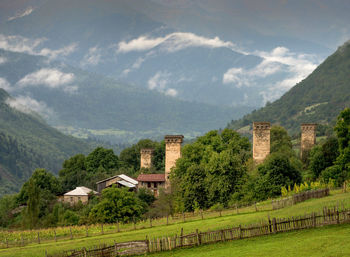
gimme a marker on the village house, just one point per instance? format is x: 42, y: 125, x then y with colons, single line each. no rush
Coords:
x: 153, y: 182
x: 118, y: 180
x: 81, y: 194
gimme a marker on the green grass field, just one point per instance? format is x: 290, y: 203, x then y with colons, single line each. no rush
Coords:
x: 325, y: 241
x: 228, y: 219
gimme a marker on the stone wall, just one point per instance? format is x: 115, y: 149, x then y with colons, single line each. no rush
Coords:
x: 146, y: 158
x: 261, y: 141
x: 172, y: 153
x: 308, y: 138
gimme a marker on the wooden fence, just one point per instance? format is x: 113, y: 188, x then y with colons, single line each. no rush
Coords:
x: 23, y: 238
x: 270, y: 226
x: 297, y: 198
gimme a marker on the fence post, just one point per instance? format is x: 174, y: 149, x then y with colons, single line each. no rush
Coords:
x: 38, y: 238
x: 270, y: 226
x: 237, y: 208
x: 150, y: 221
x: 147, y: 243
x: 84, y: 252
x: 197, y: 235
x: 102, y: 232
x: 167, y: 219
x: 118, y: 226
x: 222, y: 236
x: 314, y: 219
x: 181, y: 235
x: 274, y: 225
x: 240, y: 231
x: 54, y: 231
x: 45, y: 253
x: 7, y: 243
x: 71, y: 235
x: 86, y: 231
x: 183, y: 216
x: 202, y: 214
x: 134, y: 221
x: 256, y: 209
x: 22, y: 240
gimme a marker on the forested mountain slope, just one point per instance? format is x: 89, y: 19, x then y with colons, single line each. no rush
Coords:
x: 319, y: 98
x: 27, y: 143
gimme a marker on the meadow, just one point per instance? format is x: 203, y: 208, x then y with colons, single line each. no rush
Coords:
x: 229, y: 218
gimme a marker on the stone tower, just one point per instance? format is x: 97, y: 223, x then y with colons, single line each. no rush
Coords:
x: 172, y: 153
x: 308, y: 138
x: 261, y: 141
x: 146, y: 158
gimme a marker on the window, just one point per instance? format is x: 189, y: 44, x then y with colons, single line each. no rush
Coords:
x: 149, y: 184
x: 155, y: 184
x: 71, y: 199
x: 79, y: 198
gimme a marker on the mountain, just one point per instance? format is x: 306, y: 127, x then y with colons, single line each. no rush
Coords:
x: 90, y: 105
x: 27, y: 143
x: 318, y: 99
x: 227, y: 53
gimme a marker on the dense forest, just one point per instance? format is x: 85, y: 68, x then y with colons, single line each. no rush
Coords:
x: 318, y: 98
x: 215, y: 171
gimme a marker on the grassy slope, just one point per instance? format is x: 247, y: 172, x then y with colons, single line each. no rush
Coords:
x: 211, y: 223
x: 325, y: 241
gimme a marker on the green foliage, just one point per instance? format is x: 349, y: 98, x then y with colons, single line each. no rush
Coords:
x: 116, y: 205
x: 275, y: 172
x: 323, y: 156
x: 211, y: 169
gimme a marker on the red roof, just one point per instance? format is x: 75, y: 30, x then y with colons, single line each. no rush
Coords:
x: 151, y: 178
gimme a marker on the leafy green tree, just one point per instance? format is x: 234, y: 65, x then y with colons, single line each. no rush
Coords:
x: 275, y: 172
x: 44, y: 181
x: 74, y: 172
x: 102, y: 158
x: 280, y: 140
x: 211, y: 169
x: 117, y: 205
x: 7, y: 204
x: 33, y: 202
x: 323, y: 156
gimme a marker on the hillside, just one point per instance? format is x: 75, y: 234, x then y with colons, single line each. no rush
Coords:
x: 319, y: 98
x: 88, y: 104
x: 27, y: 143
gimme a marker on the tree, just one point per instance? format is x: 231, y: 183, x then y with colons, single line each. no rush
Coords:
x: 102, y: 158
x: 280, y: 140
x: 33, y: 208
x: 342, y: 130
x: 116, y: 205
x: 210, y: 169
x: 275, y: 172
x: 74, y: 172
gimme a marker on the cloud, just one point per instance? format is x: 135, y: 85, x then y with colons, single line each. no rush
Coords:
x: 160, y: 81
x: 4, y: 84
x: 172, y: 42
x: 29, y: 105
x: 30, y: 46
x: 51, y: 78
x: 93, y: 57
x: 280, y: 60
x: 2, y: 60
x: 21, y: 14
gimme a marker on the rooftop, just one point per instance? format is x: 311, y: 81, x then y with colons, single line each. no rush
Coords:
x: 121, y: 176
x: 151, y: 178
x: 79, y: 191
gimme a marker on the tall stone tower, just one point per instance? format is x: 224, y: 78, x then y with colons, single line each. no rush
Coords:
x: 308, y: 138
x: 261, y: 141
x: 146, y: 158
x: 172, y: 153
